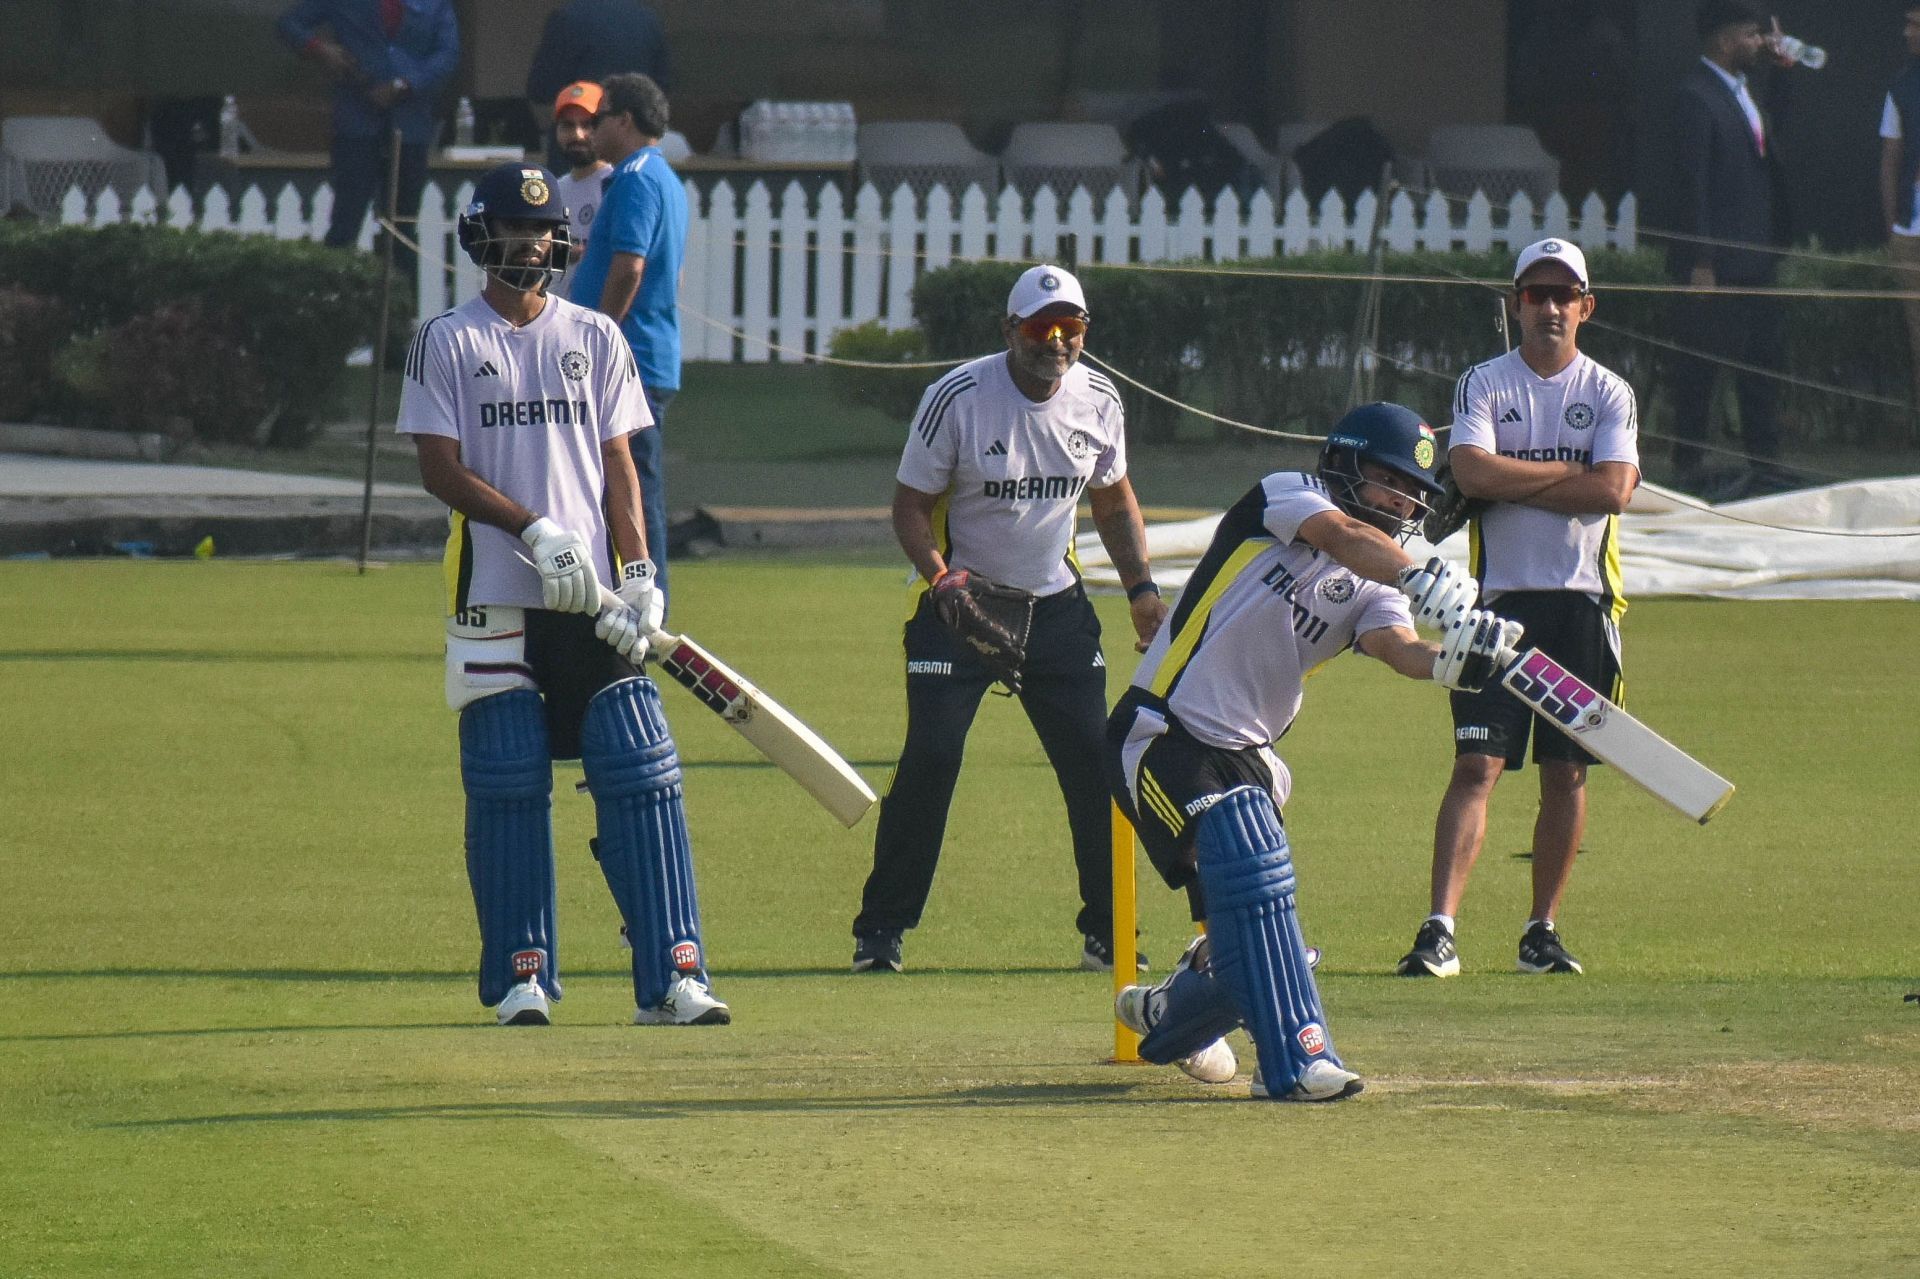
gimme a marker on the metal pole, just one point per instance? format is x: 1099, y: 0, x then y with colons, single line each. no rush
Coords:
x: 1367, y: 320
x: 1126, y: 1044
x: 379, y: 366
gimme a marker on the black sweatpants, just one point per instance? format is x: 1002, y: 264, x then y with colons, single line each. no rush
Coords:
x: 1064, y: 693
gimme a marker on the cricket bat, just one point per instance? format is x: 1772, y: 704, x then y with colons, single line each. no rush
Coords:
x: 1604, y: 730
x: 775, y: 731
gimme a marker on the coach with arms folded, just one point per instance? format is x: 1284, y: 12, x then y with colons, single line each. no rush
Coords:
x: 985, y: 508
x: 1547, y: 440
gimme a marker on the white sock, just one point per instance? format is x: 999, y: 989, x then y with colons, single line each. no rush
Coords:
x: 1445, y: 921
x: 1547, y: 922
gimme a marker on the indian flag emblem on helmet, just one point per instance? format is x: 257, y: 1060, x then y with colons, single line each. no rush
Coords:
x: 1423, y: 448
x: 533, y: 189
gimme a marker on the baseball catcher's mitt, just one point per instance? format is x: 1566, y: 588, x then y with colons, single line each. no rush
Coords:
x: 1451, y: 510
x: 991, y: 619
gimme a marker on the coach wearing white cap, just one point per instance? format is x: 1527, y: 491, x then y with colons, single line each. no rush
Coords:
x: 1547, y: 440
x: 998, y: 456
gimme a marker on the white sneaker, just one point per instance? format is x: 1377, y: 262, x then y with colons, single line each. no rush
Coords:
x: 1214, y: 1064
x: 1138, y: 1010
x: 1133, y: 1007
x: 688, y: 1003
x: 1321, y: 1081
x: 525, y: 1005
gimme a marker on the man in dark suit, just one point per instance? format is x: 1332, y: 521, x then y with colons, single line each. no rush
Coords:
x: 1727, y: 196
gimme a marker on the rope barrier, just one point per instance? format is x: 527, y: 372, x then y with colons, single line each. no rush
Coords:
x: 1315, y: 440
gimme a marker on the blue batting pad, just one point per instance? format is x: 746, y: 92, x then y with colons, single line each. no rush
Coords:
x: 1258, y: 953
x: 1198, y: 1010
x: 634, y: 775
x: 508, y: 777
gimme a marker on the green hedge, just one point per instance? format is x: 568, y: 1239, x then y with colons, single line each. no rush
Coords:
x: 236, y: 337
x: 1276, y: 352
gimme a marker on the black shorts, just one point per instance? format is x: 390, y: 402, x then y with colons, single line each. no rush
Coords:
x: 1578, y: 634
x: 570, y: 664
x: 1179, y: 777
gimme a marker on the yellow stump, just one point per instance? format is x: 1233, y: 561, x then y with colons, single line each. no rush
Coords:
x: 1126, y: 1044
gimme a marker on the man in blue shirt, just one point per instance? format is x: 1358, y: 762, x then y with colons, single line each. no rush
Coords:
x: 631, y: 270
x: 388, y: 60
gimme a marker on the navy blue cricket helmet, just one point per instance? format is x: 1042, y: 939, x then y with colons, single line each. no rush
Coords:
x: 1388, y: 435
x: 516, y: 192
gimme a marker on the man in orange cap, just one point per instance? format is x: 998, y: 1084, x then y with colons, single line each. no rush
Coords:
x: 573, y: 111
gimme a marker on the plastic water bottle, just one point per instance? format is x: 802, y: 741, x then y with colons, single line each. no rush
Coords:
x: 229, y: 126
x: 1797, y: 51
x: 463, y: 123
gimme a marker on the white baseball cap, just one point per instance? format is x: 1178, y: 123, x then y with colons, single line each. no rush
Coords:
x: 1565, y: 252
x: 1042, y: 286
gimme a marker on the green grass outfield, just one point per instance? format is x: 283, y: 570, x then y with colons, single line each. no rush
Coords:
x: 240, y: 1037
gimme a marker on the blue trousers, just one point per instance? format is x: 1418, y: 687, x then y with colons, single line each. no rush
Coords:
x: 360, y: 178
x: 646, y: 448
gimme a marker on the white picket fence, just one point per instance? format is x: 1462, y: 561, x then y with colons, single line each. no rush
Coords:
x: 791, y: 272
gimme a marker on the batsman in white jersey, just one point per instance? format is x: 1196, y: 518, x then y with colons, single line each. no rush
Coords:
x: 995, y: 464
x: 520, y: 404
x: 1301, y: 569
x: 1547, y: 441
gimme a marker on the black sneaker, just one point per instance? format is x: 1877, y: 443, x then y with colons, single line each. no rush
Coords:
x: 1433, y: 954
x: 1096, y: 956
x: 877, y: 952
x: 1541, y: 951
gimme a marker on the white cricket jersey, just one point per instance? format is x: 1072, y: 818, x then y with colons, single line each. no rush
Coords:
x: 1011, y: 471
x: 530, y: 407
x: 1583, y: 413
x: 1260, y: 612
x: 580, y: 197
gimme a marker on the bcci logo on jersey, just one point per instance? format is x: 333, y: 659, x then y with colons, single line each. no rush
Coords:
x: 1338, y: 589
x: 1079, y: 444
x: 574, y: 365
x: 1580, y: 416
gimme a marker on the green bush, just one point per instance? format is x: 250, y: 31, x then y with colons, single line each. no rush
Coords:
x: 288, y: 312
x: 32, y: 328
x: 1277, y: 352
x: 895, y: 393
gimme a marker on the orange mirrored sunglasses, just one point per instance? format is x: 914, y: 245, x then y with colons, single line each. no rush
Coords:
x: 1045, y: 328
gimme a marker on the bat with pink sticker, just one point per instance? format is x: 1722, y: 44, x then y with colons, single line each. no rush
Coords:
x: 1609, y: 733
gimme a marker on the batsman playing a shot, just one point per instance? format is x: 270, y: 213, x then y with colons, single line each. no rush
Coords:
x: 520, y: 404
x: 1545, y: 446
x: 1299, y: 570
x: 995, y: 463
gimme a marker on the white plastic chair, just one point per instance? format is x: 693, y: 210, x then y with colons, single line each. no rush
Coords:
x: 922, y: 153
x: 1499, y: 159
x: 1068, y: 155
x: 56, y: 152
x: 675, y: 147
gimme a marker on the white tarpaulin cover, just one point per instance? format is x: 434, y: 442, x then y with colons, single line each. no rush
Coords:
x: 1670, y: 545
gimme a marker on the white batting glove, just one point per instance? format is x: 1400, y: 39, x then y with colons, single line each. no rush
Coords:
x: 1472, y: 648
x: 619, y: 626
x: 639, y: 613
x: 639, y: 592
x: 1441, y: 594
x: 567, y: 584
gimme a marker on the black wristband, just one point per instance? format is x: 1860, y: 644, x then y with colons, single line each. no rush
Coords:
x: 1138, y: 589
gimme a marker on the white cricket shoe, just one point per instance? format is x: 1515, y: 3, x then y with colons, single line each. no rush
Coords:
x: 688, y: 1003
x: 1139, y: 1007
x: 1214, y: 1064
x: 1321, y: 1081
x: 525, y: 1005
